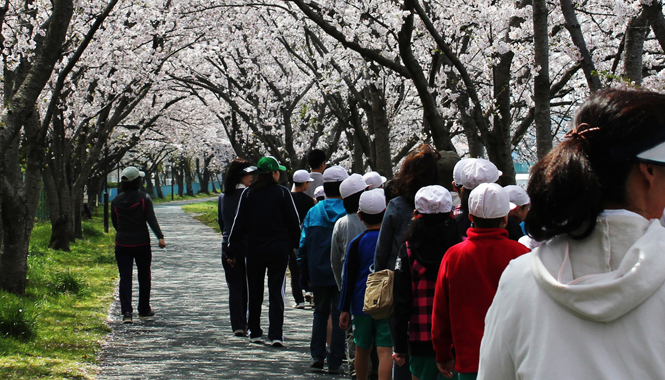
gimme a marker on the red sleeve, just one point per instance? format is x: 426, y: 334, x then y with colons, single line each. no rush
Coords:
x: 442, y: 338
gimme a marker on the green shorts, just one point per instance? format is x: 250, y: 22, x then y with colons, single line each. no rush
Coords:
x: 423, y: 367
x: 368, y: 331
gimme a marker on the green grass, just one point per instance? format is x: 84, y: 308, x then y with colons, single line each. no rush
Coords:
x: 64, y: 310
x: 205, y: 212
x: 167, y: 198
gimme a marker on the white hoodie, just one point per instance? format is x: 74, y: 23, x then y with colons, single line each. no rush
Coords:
x: 582, y: 309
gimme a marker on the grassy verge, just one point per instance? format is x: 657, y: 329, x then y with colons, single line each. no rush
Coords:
x: 205, y: 213
x: 56, y: 329
x: 167, y: 198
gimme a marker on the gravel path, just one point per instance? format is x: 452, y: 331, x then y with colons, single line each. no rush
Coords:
x: 191, y: 337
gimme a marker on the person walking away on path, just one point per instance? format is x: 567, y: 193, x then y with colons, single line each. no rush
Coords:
x: 589, y: 302
x: 367, y: 331
x: 130, y: 211
x: 418, y: 170
x: 468, y: 279
x: 519, y: 208
x: 301, y: 182
x: 316, y: 159
x: 474, y: 172
x: 432, y: 232
x: 314, y: 261
x: 346, y: 229
x: 238, y: 177
x: 267, y: 228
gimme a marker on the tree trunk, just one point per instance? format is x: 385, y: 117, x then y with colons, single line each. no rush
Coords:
x: 498, y: 144
x: 541, y: 84
x: 158, y: 185
x: 573, y: 27
x: 381, y: 132
x: 188, y: 177
x: 654, y: 13
x: 634, y: 46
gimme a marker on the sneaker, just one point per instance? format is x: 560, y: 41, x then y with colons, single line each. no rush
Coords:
x: 127, y: 317
x: 336, y: 371
x: 300, y: 305
x: 316, y: 365
x: 257, y: 340
x: 239, y: 333
x: 277, y: 343
x: 149, y: 315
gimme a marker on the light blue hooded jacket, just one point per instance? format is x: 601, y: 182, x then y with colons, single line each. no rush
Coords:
x: 315, y: 241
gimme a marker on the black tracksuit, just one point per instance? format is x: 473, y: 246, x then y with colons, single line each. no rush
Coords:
x: 267, y: 229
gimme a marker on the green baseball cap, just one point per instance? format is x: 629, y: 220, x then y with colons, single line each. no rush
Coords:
x: 269, y: 164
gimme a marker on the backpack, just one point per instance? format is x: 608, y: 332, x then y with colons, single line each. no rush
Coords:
x: 379, y: 294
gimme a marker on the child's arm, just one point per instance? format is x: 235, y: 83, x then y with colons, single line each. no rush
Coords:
x: 350, y: 275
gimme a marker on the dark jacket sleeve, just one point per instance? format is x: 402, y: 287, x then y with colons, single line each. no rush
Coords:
x: 239, y: 227
x: 292, y: 219
x: 384, y: 244
x: 220, y: 212
x: 403, y: 301
x: 114, y: 217
x: 150, y: 217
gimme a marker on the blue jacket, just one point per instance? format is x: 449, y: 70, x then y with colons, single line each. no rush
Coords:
x: 315, y: 241
x: 359, y: 258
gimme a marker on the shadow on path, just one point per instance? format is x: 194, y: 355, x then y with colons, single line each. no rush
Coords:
x: 191, y: 336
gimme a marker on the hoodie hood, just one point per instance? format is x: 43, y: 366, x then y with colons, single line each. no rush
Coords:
x: 326, y: 213
x: 608, y: 274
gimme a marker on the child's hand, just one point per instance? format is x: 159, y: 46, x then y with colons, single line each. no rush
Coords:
x: 162, y: 243
x: 400, y: 359
x: 446, y: 369
x: 344, y: 320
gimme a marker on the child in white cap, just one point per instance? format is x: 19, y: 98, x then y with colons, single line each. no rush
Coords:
x: 472, y: 173
x: 367, y: 331
x: 432, y: 232
x: 519, y: 207
x: 468, y: 279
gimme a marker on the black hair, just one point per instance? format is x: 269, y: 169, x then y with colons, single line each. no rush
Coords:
x: 262, y: 181
x: 433, y: 233
x: 331, y: 189
x: 351, y: 202
x: 234, y: 174
x: 315, y: 158
x: 389, y: 190
x: 372, y: 218
x: 133, y: 185
x: 298, y: 184
x: 573, y: 183
x: 487, y: 223
x: 320, y: 198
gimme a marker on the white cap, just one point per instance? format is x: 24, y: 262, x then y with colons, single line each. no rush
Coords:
x: 374, y: 179
x: 132, y: 173
x: 479, y: 171
x: 302, y: 176
x: 319, y: 192
x: 372, y: 202
x: 457, y: 170
x: 335, y: 174
x: 489, y: 201
x: 434, y: 199
x: 517, y: 195
x: 352, y: 185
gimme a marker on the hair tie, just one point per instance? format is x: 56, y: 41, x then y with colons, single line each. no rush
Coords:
x: 417, y: 216
x: 577, y: 133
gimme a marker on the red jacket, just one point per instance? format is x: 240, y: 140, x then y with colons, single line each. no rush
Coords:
x: 467, y: 281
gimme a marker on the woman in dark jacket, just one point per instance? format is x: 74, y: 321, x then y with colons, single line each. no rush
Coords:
x: 238, y: 177
x: 266, y: 229
x: 131, y: 209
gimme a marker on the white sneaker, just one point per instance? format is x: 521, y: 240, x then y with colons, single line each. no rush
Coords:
x: 258, y: 340
x: 277, y: 343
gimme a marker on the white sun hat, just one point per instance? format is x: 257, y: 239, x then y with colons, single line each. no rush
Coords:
x: 132, y: 173
x: 372, y: 202
x: 479, y: 171
x: 433, y: 199
x: 489, y: 201
x: 335, y: 174
x: 518, y: 196
x: 302, y: 176
x: 373, y: 179
x: 352, y: 185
